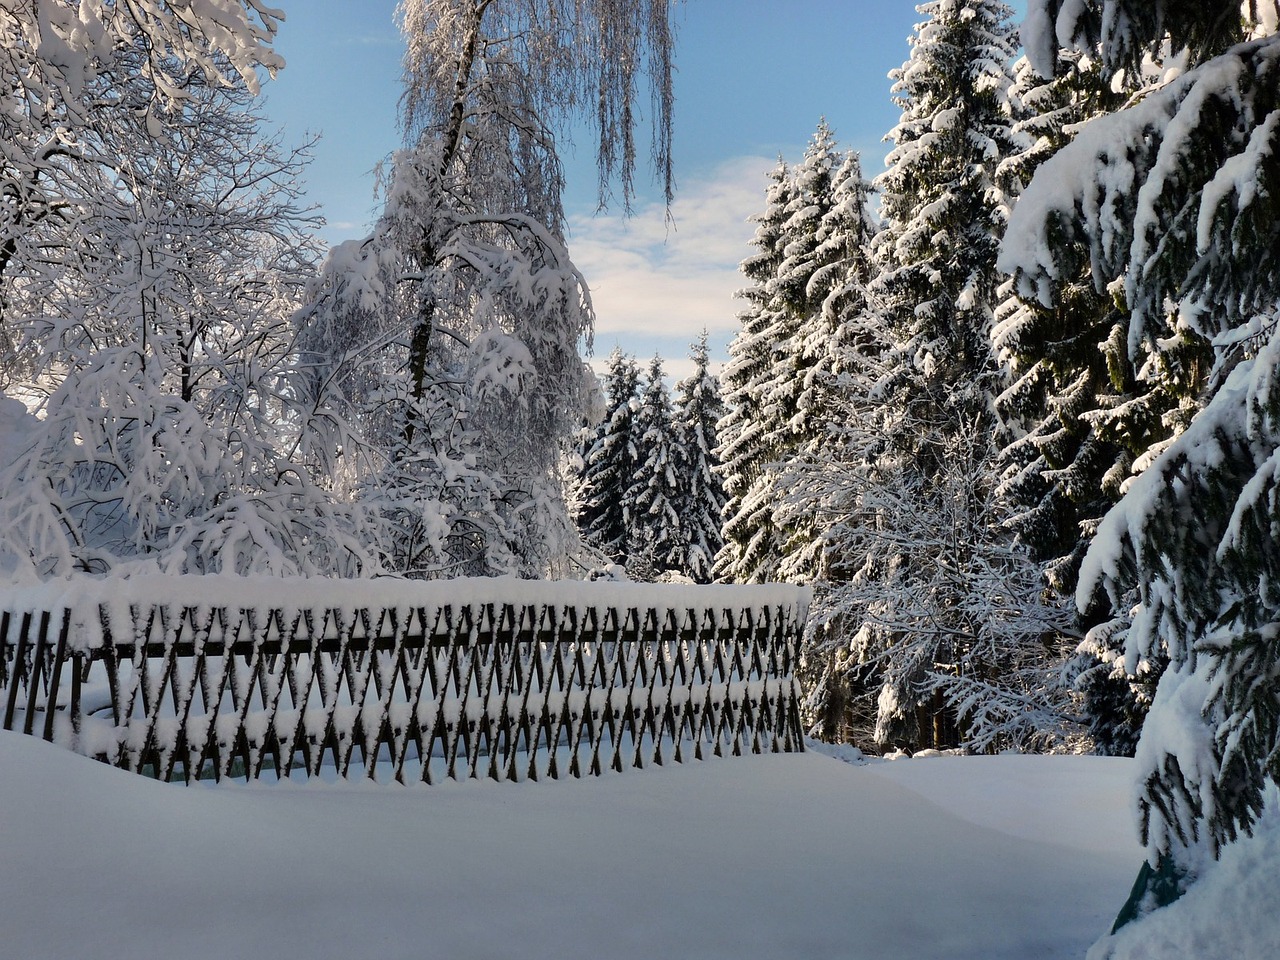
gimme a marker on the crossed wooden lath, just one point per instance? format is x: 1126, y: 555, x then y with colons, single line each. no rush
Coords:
x: 509, y: 691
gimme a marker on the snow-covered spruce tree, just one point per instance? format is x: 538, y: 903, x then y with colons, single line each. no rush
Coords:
x: 814, y: 252
x: 456, y: 325
x: 1079, y: 416
x: 803, y: 247
x: 605, y: 516
x: 944, y: 215
x: 751, y: 543
x: 153, y: 314
x: 655, y: 539
x: 837, y: 344
x: 1170, y: 200
x: 1058, y: 376
x: 944, y: 209
x: 700, y: 492
x: 813, y: 376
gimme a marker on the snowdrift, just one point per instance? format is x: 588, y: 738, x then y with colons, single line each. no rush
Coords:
x: 778, y: 856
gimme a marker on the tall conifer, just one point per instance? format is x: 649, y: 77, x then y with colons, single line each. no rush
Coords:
x: 700, y: 503
x: 751, y: 541
x: 812, y: 223
x: 934, y: 432
x: 652, y: 498
x: 1168, y: 204
x: 1078, y: 416
x: 610, y: 463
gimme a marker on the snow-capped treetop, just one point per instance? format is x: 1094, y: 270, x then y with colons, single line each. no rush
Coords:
x: 943, y: 207
x: 823, y: 240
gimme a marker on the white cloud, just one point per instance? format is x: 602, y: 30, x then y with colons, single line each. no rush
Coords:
x: 652, y: 280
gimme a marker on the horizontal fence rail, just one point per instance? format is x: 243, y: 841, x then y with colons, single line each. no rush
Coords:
x: 212, y: 678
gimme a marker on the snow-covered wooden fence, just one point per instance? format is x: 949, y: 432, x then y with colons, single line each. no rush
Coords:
x: 183, y: 678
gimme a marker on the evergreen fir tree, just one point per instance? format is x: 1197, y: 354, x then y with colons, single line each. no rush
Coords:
x: 839, y: 345
x: 604, y: 516
x: 1167, y: 203
x: 937, y: 288
x: 700, y: 493
x: 655, y: 536
x: 751, y: 543
x: 944, y: 209
x: 1078, y: 417
x: 805, y: 240
x: 1057, y: 460
x: 825, y: 356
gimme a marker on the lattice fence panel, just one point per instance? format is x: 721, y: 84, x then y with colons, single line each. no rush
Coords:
x: 411, y: 692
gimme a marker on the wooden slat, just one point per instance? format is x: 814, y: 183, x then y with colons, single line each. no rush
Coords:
x: 55, y: 678
x: 17, y: 674
x: 33, y: 676
x: 6, y: 618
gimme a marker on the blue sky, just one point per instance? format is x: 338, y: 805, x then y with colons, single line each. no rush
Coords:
x: 754, y: 78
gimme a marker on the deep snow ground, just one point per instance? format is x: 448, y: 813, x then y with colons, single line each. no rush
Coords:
x: 798, y: 856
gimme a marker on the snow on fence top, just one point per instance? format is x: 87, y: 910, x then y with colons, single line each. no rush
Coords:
x: 84, y: 596
x: 192, y: 677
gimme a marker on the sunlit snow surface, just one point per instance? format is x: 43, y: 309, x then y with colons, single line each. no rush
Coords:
x: 775, y: 856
